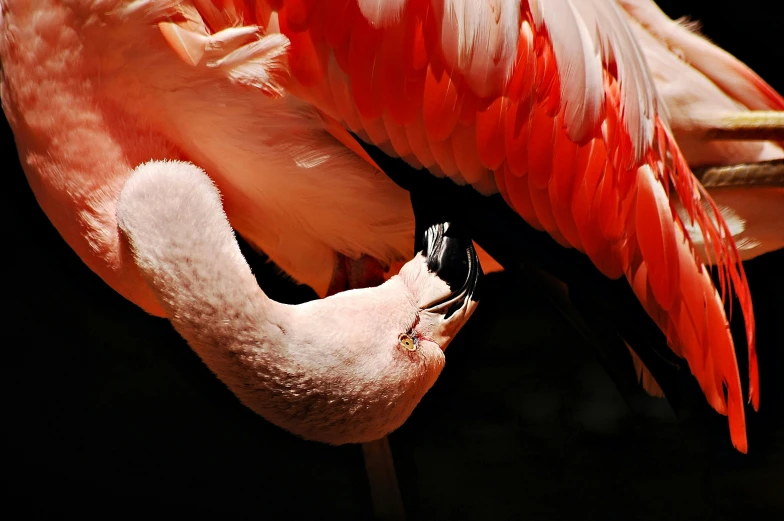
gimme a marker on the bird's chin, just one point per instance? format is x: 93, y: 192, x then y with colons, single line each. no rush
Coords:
x: 433, y: 327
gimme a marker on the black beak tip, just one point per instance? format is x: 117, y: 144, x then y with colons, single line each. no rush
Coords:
x: 451, y: 255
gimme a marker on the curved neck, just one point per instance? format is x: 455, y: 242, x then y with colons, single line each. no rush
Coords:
x: 187, y: 252
x: 185, y: 249
x: 328, y: 370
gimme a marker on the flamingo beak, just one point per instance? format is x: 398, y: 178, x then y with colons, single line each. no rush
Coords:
x: 451, y: 257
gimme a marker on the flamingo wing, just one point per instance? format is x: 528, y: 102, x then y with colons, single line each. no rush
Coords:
x: 549, y: 103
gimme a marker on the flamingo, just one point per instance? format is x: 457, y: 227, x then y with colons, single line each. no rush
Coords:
x: 134, y: 81
x: 336, y: 370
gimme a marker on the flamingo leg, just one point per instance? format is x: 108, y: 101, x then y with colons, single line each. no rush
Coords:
x: 384, y: 489
x: 760, y: 125
x: 764, y: 174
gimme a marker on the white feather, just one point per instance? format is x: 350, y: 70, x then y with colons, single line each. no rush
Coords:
x: 259, y: 64
x: 479, y: 38
x: 149, y: 9
x: 381, y: 13
x: 579, y: 66
x: 613, y: 37
x: 753, y: 215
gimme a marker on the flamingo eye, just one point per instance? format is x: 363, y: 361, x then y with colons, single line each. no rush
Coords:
x: 407, y: 342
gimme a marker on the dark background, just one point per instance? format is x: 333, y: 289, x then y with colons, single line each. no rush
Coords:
x: 107, y: 411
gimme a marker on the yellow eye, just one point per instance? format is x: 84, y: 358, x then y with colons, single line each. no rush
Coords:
x: 407, y: 342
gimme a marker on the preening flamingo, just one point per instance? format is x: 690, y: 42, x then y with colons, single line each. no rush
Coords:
x: 549, y: 103
x: 324, y: 370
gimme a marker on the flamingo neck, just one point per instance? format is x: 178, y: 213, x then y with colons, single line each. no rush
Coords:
x: 189, y: 255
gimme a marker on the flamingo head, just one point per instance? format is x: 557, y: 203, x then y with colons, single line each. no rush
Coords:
x: 375, y: 352
x: 444, y: 278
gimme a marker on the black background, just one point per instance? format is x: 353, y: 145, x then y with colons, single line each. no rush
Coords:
x: 107, y: 411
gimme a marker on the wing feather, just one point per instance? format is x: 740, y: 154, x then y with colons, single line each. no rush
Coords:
x: 578, y: 62
x: 612, y: 36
